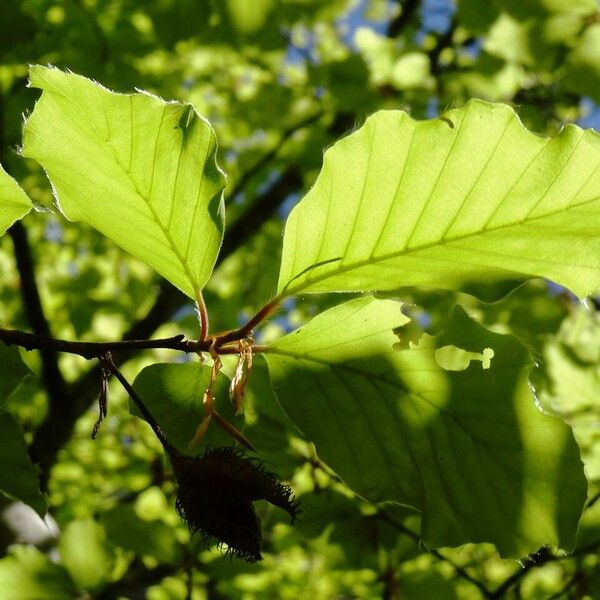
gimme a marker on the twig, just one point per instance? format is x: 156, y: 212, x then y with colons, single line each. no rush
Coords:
x: 593, y: 500
x: 89, y: 350
x: 56, y: 430
x: 246, y: 330
x: 109, y: 365
x: 266, y: 158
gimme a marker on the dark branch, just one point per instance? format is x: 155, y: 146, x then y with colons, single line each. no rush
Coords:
x: 538, y: 559
x: 169, y: 448
x: 407, y: 14
x: 54, y: 383
x: 263, y: 209
x: 31, y: 341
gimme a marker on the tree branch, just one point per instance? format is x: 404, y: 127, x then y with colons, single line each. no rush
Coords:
x: 89, y: 350
x: 408, y: 11
x: 57, y: 429
x: 54, y: 383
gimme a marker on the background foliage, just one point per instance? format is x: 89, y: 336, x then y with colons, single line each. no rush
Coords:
x: 280, y: 81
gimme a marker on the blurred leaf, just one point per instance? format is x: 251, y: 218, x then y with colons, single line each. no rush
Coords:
x: 173, y: 394
x: 125, y: 529
x: 249, y: 18
x: 524, y: 9
x: 424, y: 577
x: 85, y: 553
x: 472, y: 195
x: 19, y: 478
x: 154, y: 188
x: 476, y: 15
x: 583, y: 64
x: 16, y: 27
x: 487, y: 76
x: 467, y: 448
x: 568, y: 383
x: 14, y: 203
x: 30, y: 575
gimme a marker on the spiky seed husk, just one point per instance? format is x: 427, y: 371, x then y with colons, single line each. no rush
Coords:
x: 215, y: 496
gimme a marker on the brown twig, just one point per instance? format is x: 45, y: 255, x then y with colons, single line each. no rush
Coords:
x: 202, y: 317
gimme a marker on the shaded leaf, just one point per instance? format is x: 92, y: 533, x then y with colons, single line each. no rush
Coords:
x: 126, y: 529
x: 469, y: 448
x: 12, y: 370
x: 173, y: 394
x: 19, y: 478
x: 29, y: 575
x: 139, y: 169
x: 470, y: 196
x: 14, y: 203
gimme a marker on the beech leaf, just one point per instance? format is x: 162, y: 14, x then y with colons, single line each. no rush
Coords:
x: 14, y: 203
x: 468, y: 448
x: 470, y: 196
x: 140, y: 170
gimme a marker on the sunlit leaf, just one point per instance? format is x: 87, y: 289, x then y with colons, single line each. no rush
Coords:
x: 568, y: 380
x: 466, y: 197
x: 139, y: 169
x: 469, y: 448
x: 19, y: 478
x: 86, y: 554
x: 14, y: 203
x: 26, y: 573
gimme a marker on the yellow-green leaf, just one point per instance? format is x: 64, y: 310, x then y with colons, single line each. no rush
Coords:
x: 140, y: 170
x: 470, y: 196
x: 14, y: 203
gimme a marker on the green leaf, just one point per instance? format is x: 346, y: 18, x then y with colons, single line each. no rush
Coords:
x: 530, y: 8
x: 30, y: 575
x: 470, y: 196
x: 139, y: 169
x: 14, y: 203
x: 468, y: 448
x: 126, y: 529
x: 583, y: 64
x: 173, y: 394
x: 86, y: 554
x: 12, y: 370
x: 19, y: 478
x: 568, y: 382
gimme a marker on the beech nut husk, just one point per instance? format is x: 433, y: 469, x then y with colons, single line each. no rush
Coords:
x: 215, y: 498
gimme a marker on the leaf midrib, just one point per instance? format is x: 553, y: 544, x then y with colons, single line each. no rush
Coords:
x: 441, y: 242
x: 127, y: 175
